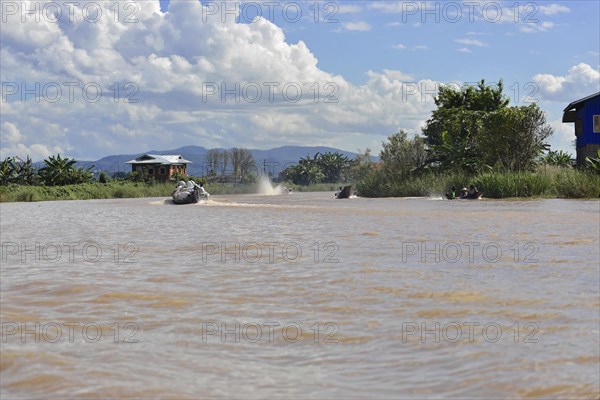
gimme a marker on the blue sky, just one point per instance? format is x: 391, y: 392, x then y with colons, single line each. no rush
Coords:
x: 353, y: 72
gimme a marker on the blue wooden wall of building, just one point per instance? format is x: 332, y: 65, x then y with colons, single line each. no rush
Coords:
x: 586, y: 114
x: 583, y: 113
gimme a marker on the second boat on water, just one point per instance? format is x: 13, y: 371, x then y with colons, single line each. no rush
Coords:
x: 471, y: 196
x: 344, y: 193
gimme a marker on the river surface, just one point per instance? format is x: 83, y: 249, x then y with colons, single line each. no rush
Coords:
x: 300, y: 296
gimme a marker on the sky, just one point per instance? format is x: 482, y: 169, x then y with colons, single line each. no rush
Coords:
x: 88, y: 79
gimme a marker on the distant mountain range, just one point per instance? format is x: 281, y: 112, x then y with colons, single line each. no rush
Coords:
x: 273, y: 161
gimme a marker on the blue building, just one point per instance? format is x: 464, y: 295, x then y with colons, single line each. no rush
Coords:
x: 586, y: 115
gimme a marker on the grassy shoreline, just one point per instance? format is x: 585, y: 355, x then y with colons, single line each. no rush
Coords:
x: 546, y: 183
x: 550, y: 182
x: 125, y: 189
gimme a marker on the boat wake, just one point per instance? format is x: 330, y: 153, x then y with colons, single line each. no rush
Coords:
x: 170, y: 202
x: 257, y: 205
x: 265, y: 187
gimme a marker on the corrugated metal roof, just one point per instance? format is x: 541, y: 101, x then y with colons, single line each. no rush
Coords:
x: 576, y: 102
x: 159, y: 159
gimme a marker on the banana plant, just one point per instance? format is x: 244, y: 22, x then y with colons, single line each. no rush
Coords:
x: 593, y: 164
x: 63, y: 171
x: 559, y: 158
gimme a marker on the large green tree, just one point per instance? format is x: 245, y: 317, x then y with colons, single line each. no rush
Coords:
x: 452, y: 131
x: 402, y: 156
x: 458, y: 109
x: 361, y: 166
x: 512, y: 139
x: 473, y: 128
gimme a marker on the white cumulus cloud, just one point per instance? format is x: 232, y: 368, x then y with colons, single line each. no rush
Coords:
x: 581, y: 80
x: 185, y: 77
x: 10, y: 133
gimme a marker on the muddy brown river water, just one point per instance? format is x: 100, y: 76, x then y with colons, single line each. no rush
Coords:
x: 300, y: 296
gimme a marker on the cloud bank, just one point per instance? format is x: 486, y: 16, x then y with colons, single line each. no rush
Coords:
x: 137, y: 78
x: 102, y: 78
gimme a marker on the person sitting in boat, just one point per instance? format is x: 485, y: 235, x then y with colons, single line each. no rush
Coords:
x: 452, y: 194
x: 339, y: 191
x: 463, y: 192
x: 472, y: 190
x: 180, y: 186
x: 200, y: 188
x: 191, y: 185
x: 202, y: 191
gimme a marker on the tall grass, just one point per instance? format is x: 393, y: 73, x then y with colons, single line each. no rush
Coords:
x: 577, y: 185
x: 84, y: 191
x: 554, y: 182
x: 549, y: 182
x: 432, y: 184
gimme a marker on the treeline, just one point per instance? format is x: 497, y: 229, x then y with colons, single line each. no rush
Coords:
x: 236, y: 165
x: 63, y: 171
x: 57, y: 171
x: 472, y: 132
x: 321, y: 168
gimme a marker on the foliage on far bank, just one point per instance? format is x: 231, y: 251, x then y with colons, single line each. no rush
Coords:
x: 474, y: 129
x: 61, y: 179
x: 13, y: 170
x: 322, y: 168
x: 57, y: 171
x: 475, y: 137
x: 84, y: 191
x: 236, y: 166
x: 593, y: 163
x: 547, y: 181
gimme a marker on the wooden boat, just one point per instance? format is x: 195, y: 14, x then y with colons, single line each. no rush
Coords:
x: 344, y: 193
x: 472, y: 196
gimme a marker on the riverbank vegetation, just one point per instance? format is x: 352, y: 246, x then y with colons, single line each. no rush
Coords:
x: 116, y: 189
x: 84, y: 191
x: 321, y: 168
x: 61, y: 179
x: 548, y: 182
x: 472, y: 138
x: 475, y: 138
